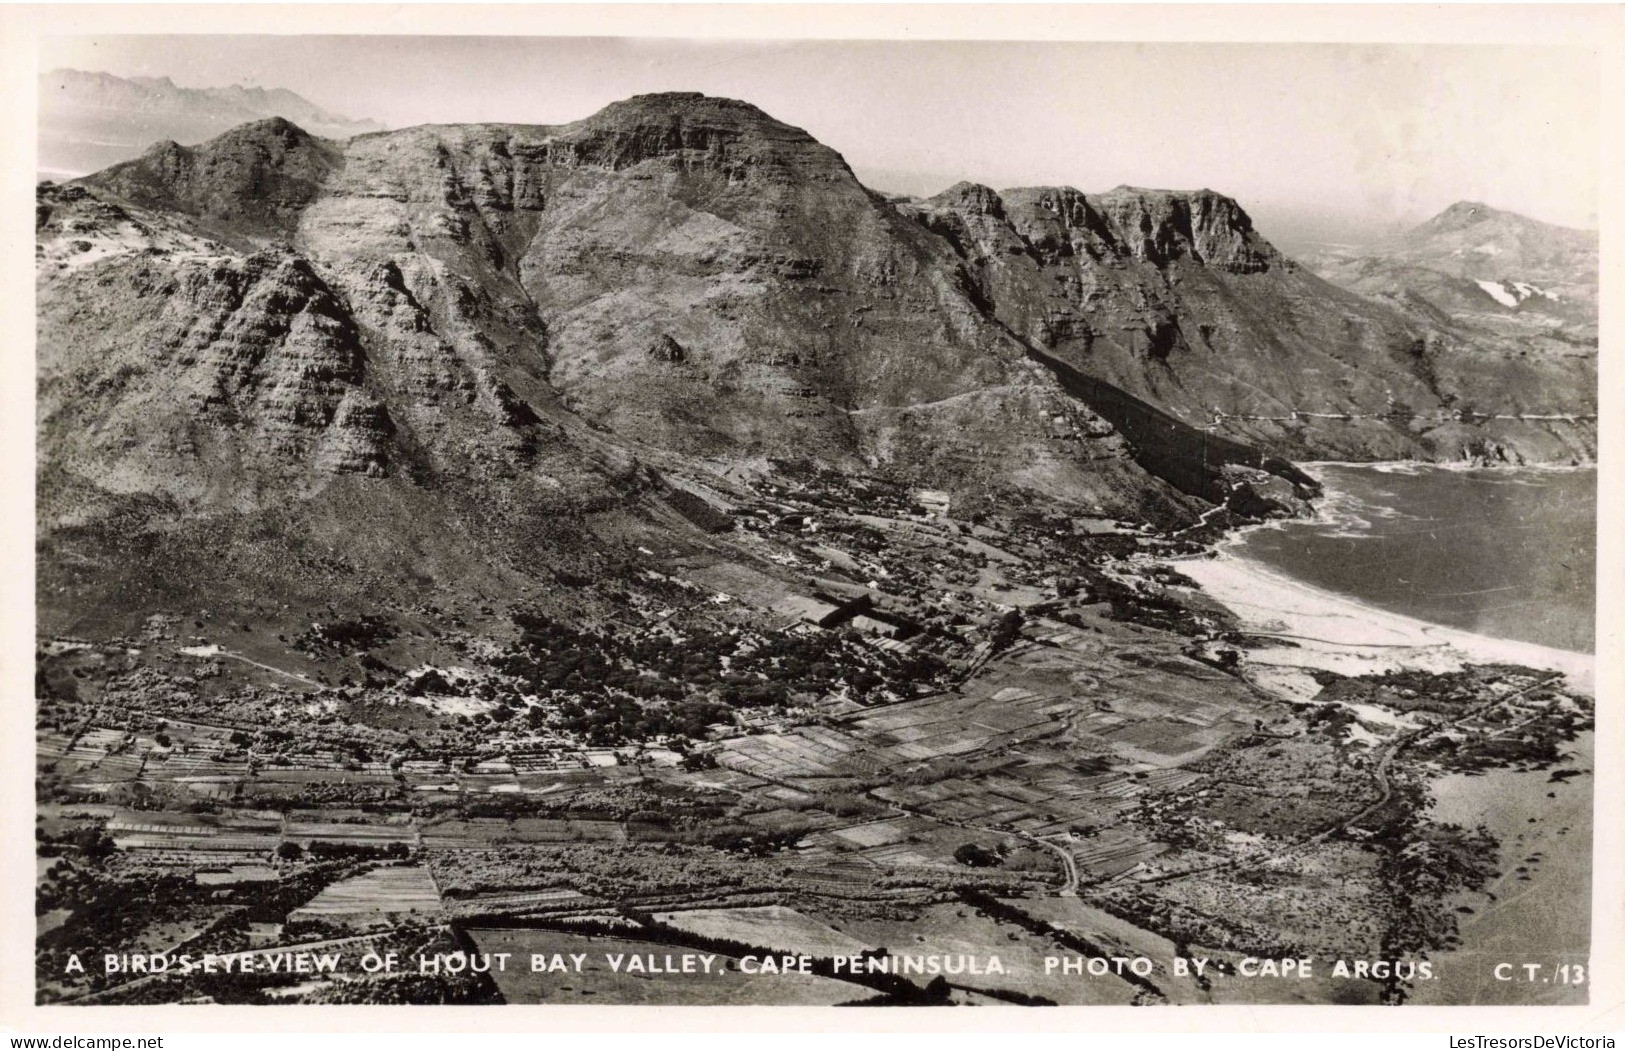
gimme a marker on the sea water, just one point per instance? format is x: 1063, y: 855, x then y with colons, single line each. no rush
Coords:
x: 1504, y: 552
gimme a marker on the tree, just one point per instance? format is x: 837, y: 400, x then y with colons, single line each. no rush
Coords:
x: 1007, y: 630
x: 289, y: 851
x: 93, y: 843
x: 976, y: 856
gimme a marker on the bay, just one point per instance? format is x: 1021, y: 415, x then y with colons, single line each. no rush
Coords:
x: 1504, y: 552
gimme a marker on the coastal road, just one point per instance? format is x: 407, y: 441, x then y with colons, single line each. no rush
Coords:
x: 1385, y: 783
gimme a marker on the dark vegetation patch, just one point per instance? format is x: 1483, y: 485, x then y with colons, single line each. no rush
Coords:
x: 623, y: 687
x: 346, y: 636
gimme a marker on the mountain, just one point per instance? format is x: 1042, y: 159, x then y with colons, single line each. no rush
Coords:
x: 489, y: 345
x: 683, y: 272
x: 498, y: 348
x: 598, y: 523
x: 1490, y: 271
x: 1476, y: 242
x: 1175, y: 299
x: 91, y: 120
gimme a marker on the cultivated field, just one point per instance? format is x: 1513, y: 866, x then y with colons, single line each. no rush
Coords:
x: 384, y: 893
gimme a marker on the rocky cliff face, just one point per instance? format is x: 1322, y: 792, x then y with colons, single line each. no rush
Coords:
x: 485, y: 267
x: 485, y: 338
x: 485, y: 331
x: 1177, y: 300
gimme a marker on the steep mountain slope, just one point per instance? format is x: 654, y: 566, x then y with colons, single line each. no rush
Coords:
x: 1476, y: 262
x: 499, y: 342
x: 1176, y: 299
x: 91, y: 120
x: 480, y: 336
x: 683, y: 271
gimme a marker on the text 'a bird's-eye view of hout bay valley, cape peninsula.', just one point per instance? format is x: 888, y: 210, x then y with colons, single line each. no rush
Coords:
x: 631, y: 560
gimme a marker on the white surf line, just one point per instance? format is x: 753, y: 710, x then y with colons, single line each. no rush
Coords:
x: 1417, y: 466
x: 1269, y: 602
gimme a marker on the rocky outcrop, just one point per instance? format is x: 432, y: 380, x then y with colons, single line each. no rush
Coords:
x: 1175, y: 299
x: 668, y: 350
x: 358, y: 440
x: 528, y: 311
x: 253, y: 180
x: 1159, y: 227
x: 1257, y: 494
x: 1055, y: 223
x: 688, y: 131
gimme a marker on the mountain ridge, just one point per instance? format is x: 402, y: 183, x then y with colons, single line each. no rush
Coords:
x: 1493, y: 276
x: 1217, y: 343
x: 551, y: 313
x: 1466, y: 213
x: 90, y: 120
x: 162, y: 92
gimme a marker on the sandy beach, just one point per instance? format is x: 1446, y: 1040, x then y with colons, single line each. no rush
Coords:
x: 1321, y: 629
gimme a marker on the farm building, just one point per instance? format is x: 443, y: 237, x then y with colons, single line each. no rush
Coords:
x: 875, y: 627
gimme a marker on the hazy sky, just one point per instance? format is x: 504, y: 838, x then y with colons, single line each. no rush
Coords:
x: 1330, y: 136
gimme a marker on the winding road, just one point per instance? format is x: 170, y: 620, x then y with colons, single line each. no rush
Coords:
x: 1385, y: 783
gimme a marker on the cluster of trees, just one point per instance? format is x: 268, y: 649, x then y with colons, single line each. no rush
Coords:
x: 611, y: 871
x: 346, y: 636
x: 107, y: 910
x: 753, y: 840
x: 622, y: 689
x: 329, y: 850
x: 977, y: 856
x: 1332, y: 720
x: 1007, y: 630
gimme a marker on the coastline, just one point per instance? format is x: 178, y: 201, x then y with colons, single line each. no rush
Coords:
x: 1321, y: 629
x: 1418, y: 466
x: 1535, y: 907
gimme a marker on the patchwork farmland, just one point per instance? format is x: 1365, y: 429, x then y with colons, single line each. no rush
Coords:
x: 821, y: 731
x: 376, y: 897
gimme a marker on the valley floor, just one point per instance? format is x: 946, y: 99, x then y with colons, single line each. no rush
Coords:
x: 884, y: 756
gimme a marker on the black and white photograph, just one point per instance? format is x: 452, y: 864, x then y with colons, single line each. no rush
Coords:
x: 685, y: 519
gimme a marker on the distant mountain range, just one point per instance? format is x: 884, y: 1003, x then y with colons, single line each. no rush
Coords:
x: 91, y: 120
x: 1483, y: 268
